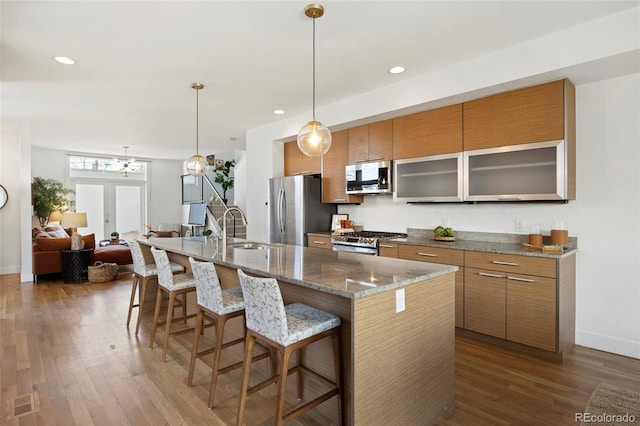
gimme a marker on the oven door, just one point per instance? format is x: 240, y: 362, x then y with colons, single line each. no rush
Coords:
x: 355, y: 249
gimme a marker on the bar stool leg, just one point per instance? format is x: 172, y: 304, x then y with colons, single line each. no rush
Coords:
x: 156, y: 315
x: 196, y: 345
x: 220, y: 322
x: 246, y: 369
x: 165, y: 344
x: 134, y: 287
x: 282, y: 384
x: 143, y: 293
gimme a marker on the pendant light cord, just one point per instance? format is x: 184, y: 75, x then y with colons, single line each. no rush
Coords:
x: 314, y: 69
x: 197, y: 123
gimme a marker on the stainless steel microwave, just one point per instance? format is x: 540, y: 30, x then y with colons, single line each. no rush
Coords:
x: 369, y: 178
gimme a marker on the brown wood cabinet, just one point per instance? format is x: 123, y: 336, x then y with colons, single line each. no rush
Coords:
x: 371, y: 142
x: 437, y: 131
x: 387, y: 249
x: 442, y: 256
x: 296, y: 163
x: 545, y: 112
x: 319, y: 241
x: 333, y: 171
x: 522, y: 299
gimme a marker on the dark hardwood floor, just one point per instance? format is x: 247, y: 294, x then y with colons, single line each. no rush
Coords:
x: 67, y: 358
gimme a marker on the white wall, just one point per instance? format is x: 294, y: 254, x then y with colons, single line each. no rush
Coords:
x: 608, y: 119
x: 10, y: 214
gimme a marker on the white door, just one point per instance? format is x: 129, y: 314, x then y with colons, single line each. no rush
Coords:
x: 112, y: 206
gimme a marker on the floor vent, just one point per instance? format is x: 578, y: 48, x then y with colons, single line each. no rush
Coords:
x: 25, y: 404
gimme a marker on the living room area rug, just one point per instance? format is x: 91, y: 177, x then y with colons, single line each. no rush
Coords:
x: 610, y: 405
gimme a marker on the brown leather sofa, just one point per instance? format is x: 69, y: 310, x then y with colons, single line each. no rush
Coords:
x: 47, y: 258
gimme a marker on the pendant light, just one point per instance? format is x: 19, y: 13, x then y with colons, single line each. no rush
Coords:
x: 197, y: 164
x: 314, y: 139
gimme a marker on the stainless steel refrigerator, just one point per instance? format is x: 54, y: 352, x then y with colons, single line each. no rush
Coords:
x: 296, y: 208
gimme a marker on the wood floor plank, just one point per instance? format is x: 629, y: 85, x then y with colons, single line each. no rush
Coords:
x: 69, y: 344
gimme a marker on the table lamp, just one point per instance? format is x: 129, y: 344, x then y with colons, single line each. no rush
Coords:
x: 74, y: 221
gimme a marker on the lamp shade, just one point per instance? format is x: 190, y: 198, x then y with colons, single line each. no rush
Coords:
x: 74, y: 220
x: 314, y: 139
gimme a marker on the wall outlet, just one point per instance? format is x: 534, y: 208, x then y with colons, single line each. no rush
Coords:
x: 520, y: 225
x: 399, y: 300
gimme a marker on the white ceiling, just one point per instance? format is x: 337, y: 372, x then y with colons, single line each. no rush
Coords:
x: 135, y: 62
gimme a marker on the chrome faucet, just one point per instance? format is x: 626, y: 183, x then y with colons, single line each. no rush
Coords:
x: 224, y: 221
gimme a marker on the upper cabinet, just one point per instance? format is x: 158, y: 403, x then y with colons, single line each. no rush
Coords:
x: 541, y: 113
x: 334, y: 182
x: 433, y: 132
x: 520, y: 145
x: 371, y: 142
x: 296, y: 163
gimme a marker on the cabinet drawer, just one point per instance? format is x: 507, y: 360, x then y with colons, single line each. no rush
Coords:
x: 540, y: 266
x: 431, y: 254
x: 386, y: 249
x: 322, y: 242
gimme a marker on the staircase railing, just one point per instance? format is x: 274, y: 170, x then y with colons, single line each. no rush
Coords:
x: 216, y: 207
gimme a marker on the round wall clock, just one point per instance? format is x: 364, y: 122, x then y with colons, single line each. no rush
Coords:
x: 4, y: 197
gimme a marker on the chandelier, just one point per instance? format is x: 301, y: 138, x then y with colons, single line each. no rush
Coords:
x: 127, y: 165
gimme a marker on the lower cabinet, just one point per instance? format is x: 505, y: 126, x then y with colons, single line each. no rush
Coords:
x: 502, y: 301
x: 319, y: 241
x: 442, y: 256
x: 386, y: 249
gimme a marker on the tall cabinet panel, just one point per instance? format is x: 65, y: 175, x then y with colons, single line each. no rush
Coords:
x: 334, y: 184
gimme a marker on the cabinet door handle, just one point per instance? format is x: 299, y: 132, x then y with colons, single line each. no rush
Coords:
x: 339, y: 199
x: 484, y: 274
x: 387, y: 246
x: 319, y: 242
x: 427, y: 254
x: 526, y: 280
x: 497, y: 262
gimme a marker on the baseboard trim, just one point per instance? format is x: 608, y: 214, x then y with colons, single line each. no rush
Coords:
x: 610, y: 344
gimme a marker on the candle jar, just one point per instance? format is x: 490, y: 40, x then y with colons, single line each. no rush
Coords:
x: 535, y: 237
x: 560, y: 234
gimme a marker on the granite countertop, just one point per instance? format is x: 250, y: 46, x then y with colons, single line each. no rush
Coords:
x: 485, y: 242
x: 479, y: 241
x: 350, y: 275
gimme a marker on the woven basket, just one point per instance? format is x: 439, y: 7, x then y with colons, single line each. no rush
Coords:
x: 101, y: 272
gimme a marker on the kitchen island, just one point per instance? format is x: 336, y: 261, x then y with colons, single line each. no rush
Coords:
x: 397, y: 322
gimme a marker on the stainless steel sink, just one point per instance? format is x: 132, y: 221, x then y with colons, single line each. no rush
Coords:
x: 251, y: 245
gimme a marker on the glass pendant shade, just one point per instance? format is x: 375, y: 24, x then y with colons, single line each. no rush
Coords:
x: 197, y: 165
x: 314, y: 139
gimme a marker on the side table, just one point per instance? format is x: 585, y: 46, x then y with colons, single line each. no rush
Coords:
x: 75, y: 265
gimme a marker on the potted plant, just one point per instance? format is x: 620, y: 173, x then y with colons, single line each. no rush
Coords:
x: 115, y: 237
x: 224, y: 178
x: 49, y: 195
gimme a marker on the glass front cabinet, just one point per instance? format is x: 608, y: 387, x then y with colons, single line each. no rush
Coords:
x: 436, y: 178
x: 528, y: 172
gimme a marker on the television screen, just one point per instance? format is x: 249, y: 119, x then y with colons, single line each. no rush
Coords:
x: 197, y: 214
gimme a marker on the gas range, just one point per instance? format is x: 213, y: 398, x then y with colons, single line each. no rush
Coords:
x: 363, y: 241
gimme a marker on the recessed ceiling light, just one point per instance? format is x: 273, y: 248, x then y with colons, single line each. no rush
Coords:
x: 396, y: 70
x: 64, y: 60
x: 278, y: 111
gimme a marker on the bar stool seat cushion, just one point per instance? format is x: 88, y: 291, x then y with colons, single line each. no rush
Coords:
x: 304, y: 321
x: 149, y: 270
x: 181, y: 281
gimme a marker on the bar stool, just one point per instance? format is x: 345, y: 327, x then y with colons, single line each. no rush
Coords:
x: 143, y: 272
x: 286, y: 328
x: 217, y: 306
x: 178, y: 285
